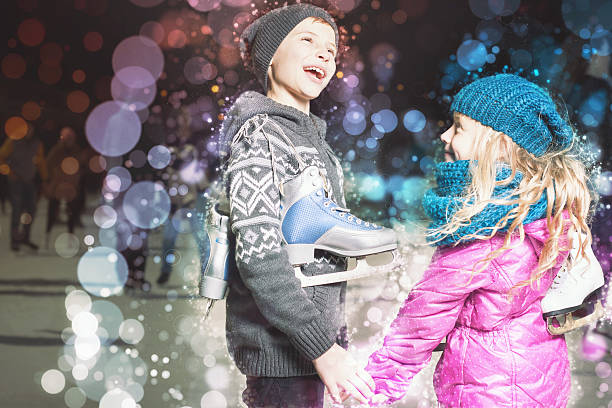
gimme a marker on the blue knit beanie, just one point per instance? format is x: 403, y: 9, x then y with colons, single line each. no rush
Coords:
x: 521, y: 109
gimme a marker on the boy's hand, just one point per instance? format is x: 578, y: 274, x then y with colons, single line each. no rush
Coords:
x: 338, y: 370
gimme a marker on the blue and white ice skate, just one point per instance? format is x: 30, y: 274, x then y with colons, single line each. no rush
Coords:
x: 215, y: 276
x: 311, y: 220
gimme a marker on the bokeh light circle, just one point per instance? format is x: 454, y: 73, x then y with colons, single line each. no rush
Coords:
x: 504, y: 7
x: 117, y: 398
x: 31, y: 32
x: 105, y: 216
x: 213, y: 399
x: 138, y: 51
x: 204, y: 5
x: 112, y: 130
x: 153, y: 30
x: 13, y: 66
x: 78, y: 76
x: 86, y: 347
x: 67, y: 245
x: 183, y: 219
x: 385, y: 120
x: 118, y: 179
x: 471, y: 55
x: 84, y: 324
x: 521, y: 59
x: 16, y: 127
x: 102, y: 271
x: 49, y: 74
x: 135, y: 87
x: 177, y: 38
x: 481, y: 9
x: 580, y: 16
x: 76, y: 302
x: 159, y: 157
x: 30, y: 110
x: 131, y: 331
x: 146, y: 204
x: 77, y: 101
x: 110, y: 318
x: 414, y: 120
x: 604, y: 183
x: 75, y: 398
x: 51, y: 54
x: 93, y: 41
x: 197, y: 70
x: 53, y: 381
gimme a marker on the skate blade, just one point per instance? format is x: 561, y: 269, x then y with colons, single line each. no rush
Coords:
x: 209, y: 304
x: 570, y: 323
x: 362, y: 269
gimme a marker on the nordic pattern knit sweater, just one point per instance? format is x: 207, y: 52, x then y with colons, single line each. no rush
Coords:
x: 274, y: 327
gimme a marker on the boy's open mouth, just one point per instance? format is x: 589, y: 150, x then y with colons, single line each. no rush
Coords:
x: 316, y: 72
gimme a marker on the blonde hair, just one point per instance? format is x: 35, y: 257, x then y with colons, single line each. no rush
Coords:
x: 561, y: 175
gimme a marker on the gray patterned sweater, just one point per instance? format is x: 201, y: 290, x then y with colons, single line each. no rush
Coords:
x: 275, y: 328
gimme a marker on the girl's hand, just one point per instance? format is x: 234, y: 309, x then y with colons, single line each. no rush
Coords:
x: 339, y: 371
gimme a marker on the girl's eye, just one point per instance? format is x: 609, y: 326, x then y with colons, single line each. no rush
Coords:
x: 307, y: 39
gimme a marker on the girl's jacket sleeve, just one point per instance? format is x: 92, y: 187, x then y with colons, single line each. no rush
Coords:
x: 426, y: 317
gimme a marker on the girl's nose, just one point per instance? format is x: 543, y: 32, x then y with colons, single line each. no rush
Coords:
x: 447, y: 136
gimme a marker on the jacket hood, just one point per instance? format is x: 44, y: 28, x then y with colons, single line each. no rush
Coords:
x: 537, y: 232
x: 251, y: 103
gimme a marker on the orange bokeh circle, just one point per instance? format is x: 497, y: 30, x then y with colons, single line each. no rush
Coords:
x: 51, y: 54
x: 13, y: 66
x: 31, y: 32
x: 97, y: 164
x: 49, y: 74
x: 79, y: 76
x: 77, y: 101
x: 70, y: 165
x: 93, y: 41
x: 16, y: 127
x: 30, y: 110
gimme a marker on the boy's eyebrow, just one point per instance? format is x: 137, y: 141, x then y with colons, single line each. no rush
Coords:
x: 315, y: 34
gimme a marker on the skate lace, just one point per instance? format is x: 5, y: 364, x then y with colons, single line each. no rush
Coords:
x: 560, y: 278
x: 343, y: 211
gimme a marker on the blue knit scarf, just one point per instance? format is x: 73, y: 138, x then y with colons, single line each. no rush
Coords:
x: 442, y: 202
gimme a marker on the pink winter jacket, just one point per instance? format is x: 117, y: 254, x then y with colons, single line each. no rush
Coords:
x: 498, y: 351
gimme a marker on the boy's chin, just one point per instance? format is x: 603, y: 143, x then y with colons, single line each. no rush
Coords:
x: 312, y: 92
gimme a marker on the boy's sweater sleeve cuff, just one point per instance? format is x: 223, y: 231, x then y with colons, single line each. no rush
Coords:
x: 314, y: 339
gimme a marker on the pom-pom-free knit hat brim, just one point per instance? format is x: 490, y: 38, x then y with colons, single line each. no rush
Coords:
x: 517, y: 107
x: 264, y: 35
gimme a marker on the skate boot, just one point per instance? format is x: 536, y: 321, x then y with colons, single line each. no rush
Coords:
x: 310, y: 220
x: 214, y: 277
x: 574, y: 292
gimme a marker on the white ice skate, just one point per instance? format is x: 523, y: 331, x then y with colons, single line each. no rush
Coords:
x: 574, y: 292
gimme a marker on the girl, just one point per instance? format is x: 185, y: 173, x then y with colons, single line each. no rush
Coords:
x: 506, y: 197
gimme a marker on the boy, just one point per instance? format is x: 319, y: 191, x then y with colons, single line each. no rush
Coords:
x: 288, y: 341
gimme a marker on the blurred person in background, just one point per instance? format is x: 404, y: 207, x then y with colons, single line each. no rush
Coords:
x: 65, y: 162
x: 23, y: 156
x: 186, y: 181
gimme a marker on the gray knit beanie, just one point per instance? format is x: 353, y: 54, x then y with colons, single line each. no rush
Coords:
x: 264, y: 35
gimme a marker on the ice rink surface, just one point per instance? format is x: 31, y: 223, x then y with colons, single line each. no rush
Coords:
x: 180, y: 361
